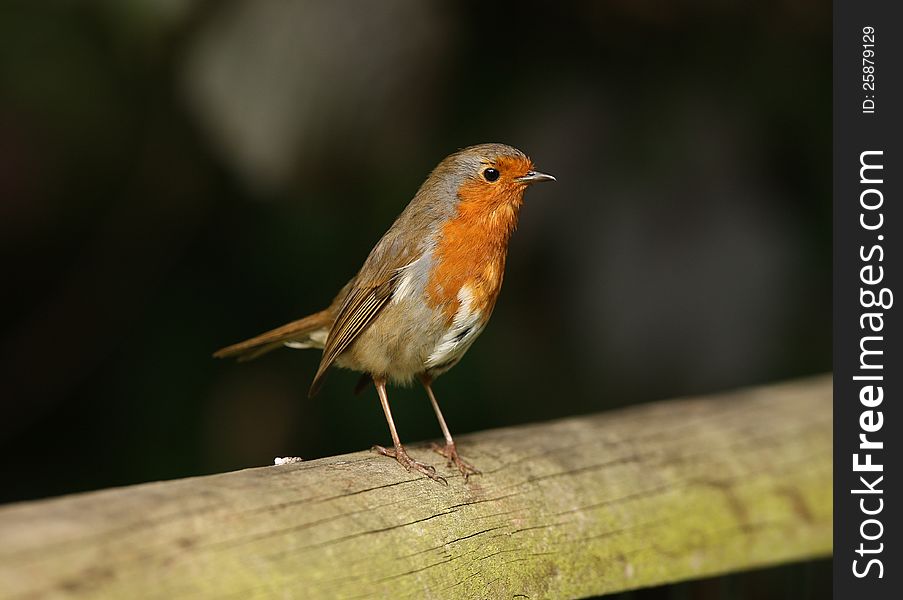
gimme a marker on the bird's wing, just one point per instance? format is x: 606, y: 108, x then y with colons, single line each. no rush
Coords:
x: 369, y: 292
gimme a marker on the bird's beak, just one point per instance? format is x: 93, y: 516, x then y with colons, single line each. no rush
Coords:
x: 535, y: 177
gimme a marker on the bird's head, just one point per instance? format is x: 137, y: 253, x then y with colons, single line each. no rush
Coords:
x: 493, y: 175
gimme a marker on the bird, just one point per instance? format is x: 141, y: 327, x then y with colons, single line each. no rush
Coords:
x: 424, y: 293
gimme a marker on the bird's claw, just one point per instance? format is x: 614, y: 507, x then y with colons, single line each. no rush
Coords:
x: 400, y: 455
x: 450, y: 452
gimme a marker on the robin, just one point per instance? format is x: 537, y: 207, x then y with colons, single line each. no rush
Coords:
x: 425, y: 292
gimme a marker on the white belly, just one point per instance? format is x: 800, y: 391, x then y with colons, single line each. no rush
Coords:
x: 467, y: 324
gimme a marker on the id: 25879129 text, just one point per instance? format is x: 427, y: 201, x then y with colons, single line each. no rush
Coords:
x: 868, y: 70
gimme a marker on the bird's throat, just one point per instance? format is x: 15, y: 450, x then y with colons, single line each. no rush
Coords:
x: 471, y: 250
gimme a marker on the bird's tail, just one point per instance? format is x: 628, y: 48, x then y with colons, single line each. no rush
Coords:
x: 309, y: 332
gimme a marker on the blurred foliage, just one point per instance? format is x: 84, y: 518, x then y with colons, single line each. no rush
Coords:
x: 178, y: 175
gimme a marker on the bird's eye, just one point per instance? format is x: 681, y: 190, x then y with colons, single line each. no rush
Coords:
x: 490, y: 174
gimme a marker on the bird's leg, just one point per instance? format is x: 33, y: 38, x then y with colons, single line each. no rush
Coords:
x: 398, y: 452
x: 450, y: 451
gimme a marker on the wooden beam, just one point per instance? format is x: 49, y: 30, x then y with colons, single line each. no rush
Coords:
x: 657, y: 493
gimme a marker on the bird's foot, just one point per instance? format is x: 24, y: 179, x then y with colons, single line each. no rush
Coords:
x: 399, y: 454
x: 450, y: 452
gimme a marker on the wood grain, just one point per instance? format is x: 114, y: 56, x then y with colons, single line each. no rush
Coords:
x: 663, y: 492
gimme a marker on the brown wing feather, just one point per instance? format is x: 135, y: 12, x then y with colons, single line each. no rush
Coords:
x: 361, y: 306
x: 369, y: 292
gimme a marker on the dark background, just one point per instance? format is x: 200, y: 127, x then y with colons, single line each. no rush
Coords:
x: 180, y: 175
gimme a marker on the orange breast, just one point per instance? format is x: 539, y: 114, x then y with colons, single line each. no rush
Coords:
x: 472, y: 248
